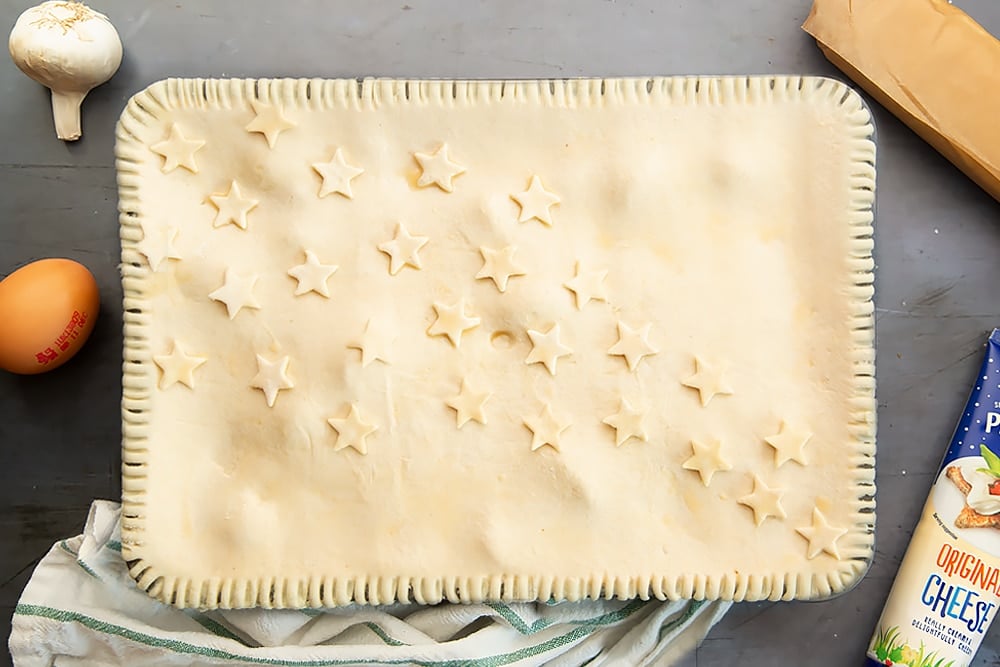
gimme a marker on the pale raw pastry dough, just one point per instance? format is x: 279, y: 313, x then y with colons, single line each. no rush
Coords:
x: 587, y: 286
x: 633, y: 344
x: 269, y: 121
x: 375, y: 343
x: 764, y: 501
x: 403, y: 249
x: 438, y: 169
x: 469, y: 404
x: 233, y: 207
x: 546, y: 429
x: 236, y: 293
x: 352, y: 430
x: 628, y: 422
x: 272, y: 377
x: 707, y: 459
x: 178, y: 151
x: 709, y: 379
x: 536, y: 202
x: 726, y: 221
x: 177, y: 367
x: 546, y: 348
x: 499, y: 266
x: 158, y: 244
x: 337, y: 175
x: 822, y: 535
x: 312, y: 275
x: 789, y: 444
x: 452, y: 321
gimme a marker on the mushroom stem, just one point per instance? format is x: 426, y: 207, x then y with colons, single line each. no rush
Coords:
x: 66, y: 113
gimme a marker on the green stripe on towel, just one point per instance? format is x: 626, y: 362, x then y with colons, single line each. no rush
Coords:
x: 83, y: 566
x: 690, y: 611
x: 574, y: 635
x: 383, y: 635
x: 516, y: 621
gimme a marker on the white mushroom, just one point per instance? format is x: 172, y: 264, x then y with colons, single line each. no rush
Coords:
x: 69, y: 48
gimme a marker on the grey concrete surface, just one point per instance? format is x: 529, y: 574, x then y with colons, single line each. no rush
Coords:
x: 938, y: 241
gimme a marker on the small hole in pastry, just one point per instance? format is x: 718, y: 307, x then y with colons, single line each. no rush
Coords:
x: 502, y: 340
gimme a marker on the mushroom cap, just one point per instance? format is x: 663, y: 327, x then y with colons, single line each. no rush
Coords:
x: 65, y: 45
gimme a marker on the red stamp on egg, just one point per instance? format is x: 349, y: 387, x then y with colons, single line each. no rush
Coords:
x: 70, y: 332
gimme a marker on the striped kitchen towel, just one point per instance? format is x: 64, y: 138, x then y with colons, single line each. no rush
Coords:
x: 81, y: 608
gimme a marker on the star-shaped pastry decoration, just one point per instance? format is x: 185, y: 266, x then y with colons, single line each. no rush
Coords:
x: 499, y: 265
x: 312, y: 275
x: 178, y: 151
x: 788, y: 444
x: 628, y: 422
x: 157, y: 243
x: 545, y: 429
x: 352, y: 431
x: 764, y: 501
x: 707, y: 459
x: 233, y: 207
x: 236, y: 292
x: 337, y: 175
x: 546, y: 348
x: 438, y: 169
x: 708, y: 379
x: 402, y: 249
x: 272, y: 377
x: 270, y: 121
x: 822, y: 536
x: 178, y: 366
x: 535, y: 202
x: 587, y: 286
x: 633, y: 344
x: 452, y: 321
x: 376, y: 343
x: 469, y: 404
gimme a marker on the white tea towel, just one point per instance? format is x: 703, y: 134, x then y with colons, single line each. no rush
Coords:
x: 81, y: 609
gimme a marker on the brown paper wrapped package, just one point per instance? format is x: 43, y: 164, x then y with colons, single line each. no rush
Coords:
x: 930, y: 64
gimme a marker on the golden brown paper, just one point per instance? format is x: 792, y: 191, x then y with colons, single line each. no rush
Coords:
x: 927, y: 62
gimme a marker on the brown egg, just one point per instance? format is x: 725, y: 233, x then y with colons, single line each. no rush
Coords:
x: 47, y: 311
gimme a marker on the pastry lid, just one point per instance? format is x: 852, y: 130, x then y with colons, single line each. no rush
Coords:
x: 496, y: 340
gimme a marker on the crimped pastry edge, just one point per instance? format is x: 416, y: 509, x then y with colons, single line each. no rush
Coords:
x: 139, y: 373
